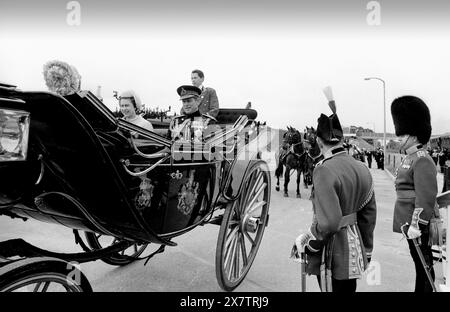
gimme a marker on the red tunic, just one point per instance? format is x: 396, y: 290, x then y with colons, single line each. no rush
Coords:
x: 343, y: 195
x: 416, y: 187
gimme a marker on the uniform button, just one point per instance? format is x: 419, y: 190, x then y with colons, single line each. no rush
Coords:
x: 354, y: 270
x: 353, y: 262
x: 352, y: 239
x: 353, y: 254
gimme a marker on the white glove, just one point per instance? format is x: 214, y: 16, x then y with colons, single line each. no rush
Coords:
x: 413, y: 232
x: 302, y: 241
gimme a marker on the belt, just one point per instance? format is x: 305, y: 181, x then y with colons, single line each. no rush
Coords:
x: 349, y: 219
x: 406, y: 193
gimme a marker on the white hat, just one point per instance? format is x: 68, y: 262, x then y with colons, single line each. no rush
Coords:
x: 130, y: 94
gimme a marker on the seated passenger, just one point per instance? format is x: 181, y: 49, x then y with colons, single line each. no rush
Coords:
x: 130, y: 106
x: 192, y: 125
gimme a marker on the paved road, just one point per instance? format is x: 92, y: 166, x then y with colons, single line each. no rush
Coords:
x: 190, y: 265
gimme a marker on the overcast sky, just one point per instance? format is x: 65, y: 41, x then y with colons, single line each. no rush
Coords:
x: 276, y: 54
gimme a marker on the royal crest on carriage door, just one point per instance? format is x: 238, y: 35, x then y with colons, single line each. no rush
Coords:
x: 187, y: 197
x: 144, y: 196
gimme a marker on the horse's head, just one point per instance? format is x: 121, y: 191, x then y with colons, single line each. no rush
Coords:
x: 310, y: 137
x: 293, y: 136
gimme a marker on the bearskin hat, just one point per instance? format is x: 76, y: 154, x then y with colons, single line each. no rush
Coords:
x: 411, y: 116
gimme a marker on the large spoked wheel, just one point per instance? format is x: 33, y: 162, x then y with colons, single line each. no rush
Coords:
x: 243, y: 227
x: 42, y: 275
x: 124, y: 257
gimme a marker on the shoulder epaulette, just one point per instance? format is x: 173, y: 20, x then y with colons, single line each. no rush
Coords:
x: 421, y: 154
x: 179, y: 116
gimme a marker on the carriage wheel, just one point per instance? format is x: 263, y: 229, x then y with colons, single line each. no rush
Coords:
x: 42, y: 275
x: 242, y: 228
x: 124, y: 257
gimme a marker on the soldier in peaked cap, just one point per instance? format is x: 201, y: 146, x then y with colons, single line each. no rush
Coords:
x: 415, y: 183
x: 192, y: 124
x: 339, y: 242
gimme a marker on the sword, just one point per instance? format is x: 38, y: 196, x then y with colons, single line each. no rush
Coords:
x: 424, y: 264
x: 421, y: 257
x: 302, y: 259
x: 303, y: 269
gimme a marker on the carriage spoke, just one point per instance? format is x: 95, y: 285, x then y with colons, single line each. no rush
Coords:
x: 249, y: 238
x: 262, y: 188
x: 235, y: 257
x: 229, y: 259
x: 46, y: 285
x: 237, y: 253
x: 256, y: 206
x: 243, y: 250
x: 231, y: 236
x: 36, y: 288
x: 135, y: 248
x: 259, y: 180
x: 230, y: 241
x: 256, y: 180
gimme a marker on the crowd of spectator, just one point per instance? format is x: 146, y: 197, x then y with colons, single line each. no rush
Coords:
x: 440, y: 157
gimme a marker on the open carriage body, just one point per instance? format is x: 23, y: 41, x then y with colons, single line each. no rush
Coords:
x: 69, y: 161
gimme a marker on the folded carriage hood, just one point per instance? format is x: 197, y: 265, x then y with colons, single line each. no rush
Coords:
x: 75, y: 164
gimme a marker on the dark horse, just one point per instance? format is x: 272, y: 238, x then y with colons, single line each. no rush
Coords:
x: 292, y: 155
x: 313, y: 154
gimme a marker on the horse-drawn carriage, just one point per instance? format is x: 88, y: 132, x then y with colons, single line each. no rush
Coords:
x: 68, y: 160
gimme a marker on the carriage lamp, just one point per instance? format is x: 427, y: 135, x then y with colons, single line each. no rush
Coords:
x: 14, y: 130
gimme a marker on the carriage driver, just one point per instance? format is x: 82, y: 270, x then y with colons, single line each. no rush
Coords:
x: 192, y: 125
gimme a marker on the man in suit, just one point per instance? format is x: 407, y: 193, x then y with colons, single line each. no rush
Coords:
x: 209, y: 103
x: 339, y: 241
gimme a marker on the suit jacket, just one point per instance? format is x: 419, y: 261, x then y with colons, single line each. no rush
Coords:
x: 209, y: 103
x: 343, y: 191
x: 416, y: 186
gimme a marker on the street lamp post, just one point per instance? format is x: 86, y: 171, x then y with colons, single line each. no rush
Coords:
x: 384, y: 112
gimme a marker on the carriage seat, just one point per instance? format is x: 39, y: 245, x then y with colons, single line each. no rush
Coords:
x: 160, y: 127
x: 230, y: 115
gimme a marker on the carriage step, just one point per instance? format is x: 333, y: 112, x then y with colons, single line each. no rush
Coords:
x: 216, y: 220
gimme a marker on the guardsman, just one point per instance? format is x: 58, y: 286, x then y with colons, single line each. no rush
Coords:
x: 415, y: 183
x: 340, y: 240
x: 192, y: 125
